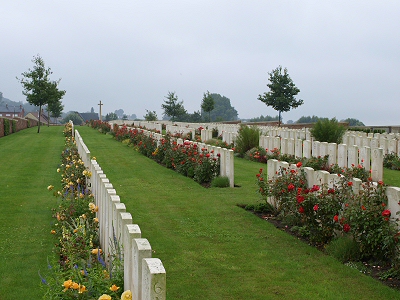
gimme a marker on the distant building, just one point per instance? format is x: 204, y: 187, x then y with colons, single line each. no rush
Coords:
x: 86, y: 117
x: 12, y: 111
x: 35, y: 116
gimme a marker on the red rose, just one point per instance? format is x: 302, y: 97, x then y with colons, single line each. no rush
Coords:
x: 386, y: 213
x: 261, y: 170
x: 301, y: 209
x: 346, y: 227
x: 316, y: 207
x: 290, y: 187
x: 336, y: 218
x: 300, y: 199
x: 299, y: 164
x: 350, y: 183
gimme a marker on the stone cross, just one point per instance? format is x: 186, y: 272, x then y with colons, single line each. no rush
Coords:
x: 100, y: 104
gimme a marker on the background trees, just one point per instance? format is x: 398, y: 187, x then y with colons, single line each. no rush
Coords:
x: 207, y: 104
x: 38, y: 88
x: 172, y: 108
x: 282, y: 92
x: 150, y: 115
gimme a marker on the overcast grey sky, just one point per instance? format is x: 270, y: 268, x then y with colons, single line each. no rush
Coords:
x: 344, y: 56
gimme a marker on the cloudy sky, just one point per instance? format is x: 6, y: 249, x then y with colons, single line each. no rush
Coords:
x: 342, y: 55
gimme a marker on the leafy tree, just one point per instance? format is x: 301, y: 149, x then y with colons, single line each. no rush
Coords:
x: 54, y: 105
x: 248, y: 137
x: 282, y: 92
x: 74, y: 117
x: 353, y: 122
x: 111, y: 116
x: 119, y: 113
x: 124, y: 117
x: 223, y: 110
x: 326, y: 130
x: 172, y: 107
x: 151, y: 115
x: 38, y: 88
x: 207, y: 104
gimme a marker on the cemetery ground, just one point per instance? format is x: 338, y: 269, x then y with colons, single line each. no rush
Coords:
x: 210, y: 248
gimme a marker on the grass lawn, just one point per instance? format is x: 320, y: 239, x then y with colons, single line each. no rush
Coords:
x: 28, y: 163
x: 212, y: 249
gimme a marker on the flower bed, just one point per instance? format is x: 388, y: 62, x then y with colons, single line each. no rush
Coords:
x: 354, y: 226
x: 79, y: 270
x: 186, y: 158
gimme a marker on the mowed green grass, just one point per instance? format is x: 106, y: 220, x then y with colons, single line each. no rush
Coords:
x: 28, y: 163
x: 211, y: 248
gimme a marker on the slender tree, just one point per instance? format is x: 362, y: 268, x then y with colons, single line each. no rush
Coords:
x: 38, y: 88
x: 150, y: 115
x: 172, y: 108
x: 282, y: 92
x: 207, y: 104
x: 54, y: 105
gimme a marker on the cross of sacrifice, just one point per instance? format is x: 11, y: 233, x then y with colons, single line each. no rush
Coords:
x: 100, y: 104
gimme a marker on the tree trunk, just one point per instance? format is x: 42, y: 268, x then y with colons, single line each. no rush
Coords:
x: 40, y: 111
x: 279, y: 119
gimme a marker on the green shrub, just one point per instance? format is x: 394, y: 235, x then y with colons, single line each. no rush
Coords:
x: 343, y: 249
x: 329, y: 131
x: 14, y: 126
x: 247, y: 138
x: 6, y: 127
x: 220, y: 182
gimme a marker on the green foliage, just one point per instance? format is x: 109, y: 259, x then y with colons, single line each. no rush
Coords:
x: 344, y: 249
x: 74, y: 117
x: 391, y: 161
x: 151, y: 115
x: 223, y: 110
x: 309, y: 119
x: 38, y: 88
x: 103, y: 127
x: 248, y: 137
x: 353, y: 122
x: 264, y: 119
x: 220, y: 182
x: 14, y: 126
x: 6, y: 127
x: 111, y: 117
x: 207, y: 104
x: 329, y: 131
x: 281, y: 96
x: 172, y: 107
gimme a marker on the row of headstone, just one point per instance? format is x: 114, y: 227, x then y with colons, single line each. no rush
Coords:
x: 321, y: 178
x: 343, y: 155
x: 143, y: 275
x: 225, y: 156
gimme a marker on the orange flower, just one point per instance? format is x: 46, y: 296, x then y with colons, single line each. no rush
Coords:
x: 75, y: 286
x: 53, y: 232
x: 82, y: 289
x: 67, y: 284
x: 114, y: 288
x: 96, y: 251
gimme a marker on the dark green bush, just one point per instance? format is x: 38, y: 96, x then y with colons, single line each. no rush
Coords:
x: 329, y: 131
x: 6, y: 127
x: 220, y: 182
x: 344, y: 249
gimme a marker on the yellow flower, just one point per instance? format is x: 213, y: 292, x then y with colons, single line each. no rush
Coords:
x: 53, y: 232
x: 67, y: 284
x: 105, y: 297
x: 127, y: 295
x: 82, y: 289
x: 58, y: 170
x: 96, y: 251
x: 96, y: 220
x: 114, y: 288
x: 75, y: 230
x: 92, y: 205
x: 50, y: 187
x: 75, y: 286
x: 94, y: 158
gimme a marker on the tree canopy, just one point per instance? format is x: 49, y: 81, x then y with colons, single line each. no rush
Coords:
x: 172, y: 107
x: 150, y: 115
x: 38, y: 88
x: 223, y: 110
x: 281, y: 96
x: 207, y: 104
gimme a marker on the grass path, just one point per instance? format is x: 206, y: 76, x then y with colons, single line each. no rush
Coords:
x: 212, y: 249
x: 28, y: 163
